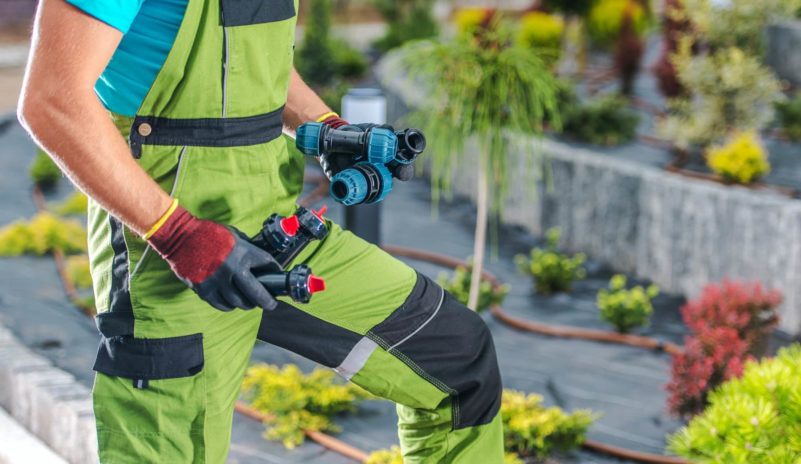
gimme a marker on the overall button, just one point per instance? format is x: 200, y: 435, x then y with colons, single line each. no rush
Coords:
x: 144, y: 129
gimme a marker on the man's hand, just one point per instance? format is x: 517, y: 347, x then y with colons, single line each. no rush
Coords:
x: 218, y: 263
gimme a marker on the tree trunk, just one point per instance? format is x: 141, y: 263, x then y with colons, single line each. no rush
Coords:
x: 480, y: 236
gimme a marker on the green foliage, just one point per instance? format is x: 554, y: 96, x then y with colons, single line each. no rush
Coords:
x: 41, y: 235
x: 75, y: 204
x: 626, y: 309
x: 321, y: 60
x: 480, y: 88
x: 385, y: 456
x: 534, y: 430
x: 298, y: 401
x: 459, y: 286
x: 732, y: 92
x: 604, y: 121
x: 78, y: 271
x: 788, y: 114
x: 571, y: 7
x: 406, y: 20
x: 552, y: 270
x: 538, y: 29
x: 737, y: 23
x: 44, y: 172
x: 756, y: 418
x: 605, y: 20
x: 743, y: 160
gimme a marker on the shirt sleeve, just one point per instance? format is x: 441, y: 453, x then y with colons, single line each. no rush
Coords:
x: 118, y: 14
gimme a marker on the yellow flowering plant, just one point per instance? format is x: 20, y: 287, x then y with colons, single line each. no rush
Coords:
x: 742, y: 161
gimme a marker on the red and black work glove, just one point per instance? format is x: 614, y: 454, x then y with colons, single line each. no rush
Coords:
x: 332, y: 164
x: 218, y: 263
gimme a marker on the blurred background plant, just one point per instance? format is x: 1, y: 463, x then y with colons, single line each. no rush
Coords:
x: 458, y: 285
x: 533, y: 430
x: 482, y: 86
x: 730, y: 90
x: 756, y: 418
x: 297, y: 401
x: 75, y: 204
x: 729, y: 323
x: 626, y: 309
x: 41, y: 235
x: 542, y: 31
x: 743, y: 160
x: 325, y: 63
x: 44, y: 173
x: 606, y: 121
x: 552, y: 271
x: 788, y: 115
x: 406, y: 20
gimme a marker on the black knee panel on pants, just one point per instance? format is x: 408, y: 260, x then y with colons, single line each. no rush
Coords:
x: 451, y: 346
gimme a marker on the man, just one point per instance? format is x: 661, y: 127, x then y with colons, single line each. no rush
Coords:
x: 168, y: 114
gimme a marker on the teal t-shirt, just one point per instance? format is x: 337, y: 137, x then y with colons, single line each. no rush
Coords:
x: 149, y: 28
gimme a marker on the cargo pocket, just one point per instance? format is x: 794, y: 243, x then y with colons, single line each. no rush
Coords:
x: 144, y: 359
x: 247, y: 12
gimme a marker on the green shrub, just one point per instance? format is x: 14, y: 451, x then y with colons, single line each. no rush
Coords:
x: 743, y: 160
x: 788, y: 114
x: 605, y: 20
x: 542, y: 31
x: 737, y: 23
x: 406, y: 20
x: 604, y: 121
x: 78, y: 271
x: 731, y: 92
x: 571, y: 7
x: 298, y: 401
x: 44, y: 172
x: 626, y: 309
x: 314, y: 59
x: 41, y: 235
x: 459, y: 286
x: 752, y: 419
x: 552, y: 271
x: 76, y: 203
x: 350, y: 63
x: 534, y: 430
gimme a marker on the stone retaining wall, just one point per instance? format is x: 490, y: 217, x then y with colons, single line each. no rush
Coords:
x: 681, y: 233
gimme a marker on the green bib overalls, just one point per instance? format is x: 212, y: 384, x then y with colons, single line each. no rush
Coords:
x: 169, y: 366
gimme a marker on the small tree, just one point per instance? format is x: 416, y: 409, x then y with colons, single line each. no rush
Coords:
x: 406, y: 20
x: 481, y: 86
x: 316, y: 62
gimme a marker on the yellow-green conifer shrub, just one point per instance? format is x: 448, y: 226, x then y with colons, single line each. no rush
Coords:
x: 626, y: 309
x: 531, y: 429
x: 41, y: 235
x: 298, y: 401
x: 753, y: 419
x: 552, y: 271
x: 542, y: 31
x: 385, y: 456
x: 743, y: 160
x: 459, y: 286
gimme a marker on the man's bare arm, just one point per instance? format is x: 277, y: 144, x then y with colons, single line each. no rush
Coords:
x: 60, y: 110
x: 302, y: 104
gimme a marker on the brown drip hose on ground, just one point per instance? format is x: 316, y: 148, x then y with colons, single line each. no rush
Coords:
x: 356, y: 454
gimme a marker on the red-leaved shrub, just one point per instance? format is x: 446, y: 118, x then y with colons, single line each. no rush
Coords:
x: 708, y: 360
x: 729, y: 323
x: 748, y: 308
